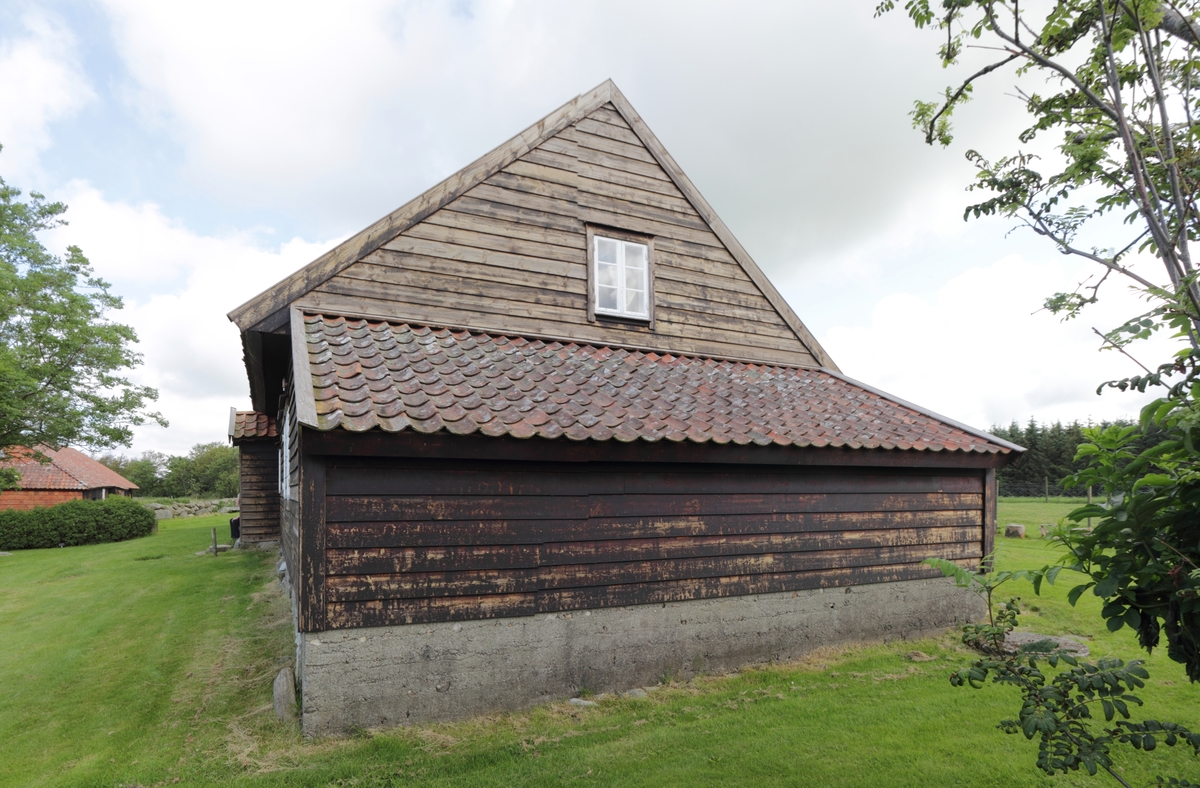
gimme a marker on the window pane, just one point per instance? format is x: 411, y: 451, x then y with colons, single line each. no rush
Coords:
x: 635, y: 256
x: 606, y: 275
x: 606, y: 250
x: 606, y: 298
x: 635, y: 302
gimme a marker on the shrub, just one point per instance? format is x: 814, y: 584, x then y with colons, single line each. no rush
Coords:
x: 73, y: 523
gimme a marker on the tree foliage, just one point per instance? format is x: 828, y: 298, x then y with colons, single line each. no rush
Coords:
x: 1061, y: 710
x: 209, y: 469
x: 62, y: 361
x: 1050, y: 455
x: 1141, y: 556
x: 1122, y: 78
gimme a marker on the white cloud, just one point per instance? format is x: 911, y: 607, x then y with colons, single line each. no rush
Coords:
x: 40, y: 82
x: 192, y: 353
x: 325, y: 116
x: 980, y: 351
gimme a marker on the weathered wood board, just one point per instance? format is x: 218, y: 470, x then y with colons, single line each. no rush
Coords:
x: 509, y: 255
x: 406, y: 541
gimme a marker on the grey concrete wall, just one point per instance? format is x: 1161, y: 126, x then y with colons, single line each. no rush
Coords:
x: 397, y: 675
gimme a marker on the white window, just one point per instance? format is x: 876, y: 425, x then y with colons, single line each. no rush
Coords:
x: 622, y: 277
x: 285, y: 456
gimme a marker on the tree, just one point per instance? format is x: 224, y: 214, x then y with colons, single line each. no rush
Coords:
x: 1127, y: 114
x: 62, y: 361
x: 208, y: 469
x: 1124, y: 104
x: 145, y: 471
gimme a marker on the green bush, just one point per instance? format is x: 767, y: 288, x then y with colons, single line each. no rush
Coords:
x: 73, y: 523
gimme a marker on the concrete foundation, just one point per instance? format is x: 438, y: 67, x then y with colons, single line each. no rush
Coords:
x: 399, y: 675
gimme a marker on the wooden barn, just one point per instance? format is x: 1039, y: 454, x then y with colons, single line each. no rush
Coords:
x: 548, y: 426
x: 66, y: 474
x: 257, y: 440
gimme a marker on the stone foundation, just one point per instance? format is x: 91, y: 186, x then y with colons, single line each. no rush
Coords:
x: 399, y: 675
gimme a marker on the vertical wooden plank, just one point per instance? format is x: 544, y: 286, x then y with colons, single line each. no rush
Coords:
x: 989, y: 518
x: 650, y: 295
x: 311, y: 598
x: 591, y: 274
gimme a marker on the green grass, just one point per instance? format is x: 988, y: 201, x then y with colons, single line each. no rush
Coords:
x: 1033, y: 512
x: 139, y: 663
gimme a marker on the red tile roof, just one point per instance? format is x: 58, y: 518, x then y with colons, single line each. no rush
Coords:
x: 251, y: 424
x: 369, y: 373
x: 68, y: 469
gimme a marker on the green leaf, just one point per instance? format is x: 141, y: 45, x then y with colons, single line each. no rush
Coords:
x: 1107, y: 587
x: 1076, y: 592
x: 1114, y: 624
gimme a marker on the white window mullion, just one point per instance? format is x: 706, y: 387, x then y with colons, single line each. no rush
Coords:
x: 621, y: 277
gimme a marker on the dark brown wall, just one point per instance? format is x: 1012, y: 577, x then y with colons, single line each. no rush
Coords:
x: 259, y: 490
x: 409, y: 541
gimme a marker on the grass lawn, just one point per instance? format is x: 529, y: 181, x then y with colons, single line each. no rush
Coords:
x: 142, y: 664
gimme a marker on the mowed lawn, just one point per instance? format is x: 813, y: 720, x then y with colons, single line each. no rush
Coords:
x: 142, y: 664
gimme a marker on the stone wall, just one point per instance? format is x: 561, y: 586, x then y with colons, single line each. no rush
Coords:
x: 166, y: 511
x: 398, y: 675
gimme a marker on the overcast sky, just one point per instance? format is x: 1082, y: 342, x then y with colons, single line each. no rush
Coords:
x: 207, y: 153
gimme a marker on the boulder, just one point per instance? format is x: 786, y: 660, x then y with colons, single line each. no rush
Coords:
x: 1033, y: 643
x: 162, y: 514
x: 1014, y: 531
x: 285, y: 695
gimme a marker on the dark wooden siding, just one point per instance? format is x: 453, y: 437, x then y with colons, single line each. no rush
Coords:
x: 259, y: 490
x: 510, y: 255
x: 289, y: 507
x: 410, y: 541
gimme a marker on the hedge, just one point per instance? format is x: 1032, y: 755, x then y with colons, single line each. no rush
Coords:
x: 72, y: 523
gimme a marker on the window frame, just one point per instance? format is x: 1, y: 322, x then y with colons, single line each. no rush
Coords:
x: 285, y: 456
x: 593, y: 314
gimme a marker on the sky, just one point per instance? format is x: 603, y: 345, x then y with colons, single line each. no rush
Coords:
x: 208, y: 150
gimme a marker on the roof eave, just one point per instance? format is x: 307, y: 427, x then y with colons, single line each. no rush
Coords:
x: 1012, y: 447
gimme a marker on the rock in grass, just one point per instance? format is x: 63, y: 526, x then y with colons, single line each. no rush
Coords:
x: 285, y: 695
x: 1033, y: 643
x: 582, y: 702
x: 636, y: 692
x: 1014, y: 531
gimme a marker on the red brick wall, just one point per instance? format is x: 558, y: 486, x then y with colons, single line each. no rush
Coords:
x: 30, y: 499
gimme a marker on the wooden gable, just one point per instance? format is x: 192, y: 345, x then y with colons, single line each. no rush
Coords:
x: 502, y: 247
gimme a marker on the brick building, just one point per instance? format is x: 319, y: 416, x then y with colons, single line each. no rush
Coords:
x: 69, y: 475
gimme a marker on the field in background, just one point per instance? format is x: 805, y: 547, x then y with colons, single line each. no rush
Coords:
x: 138, y: 663
x: 1033, y: 512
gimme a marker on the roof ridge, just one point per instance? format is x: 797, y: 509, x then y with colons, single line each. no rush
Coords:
x: 53, y: 455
